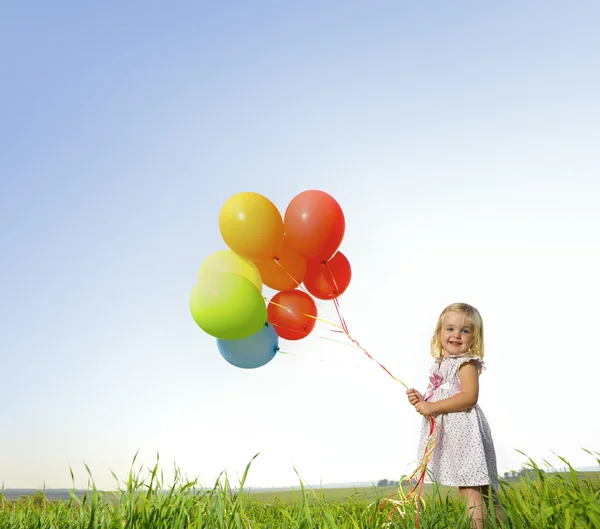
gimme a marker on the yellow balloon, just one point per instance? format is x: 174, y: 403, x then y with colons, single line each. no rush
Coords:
x: 228, y: 261
x: 251, y: 226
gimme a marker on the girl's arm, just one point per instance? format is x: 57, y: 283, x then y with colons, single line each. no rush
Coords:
x: 468, y: 375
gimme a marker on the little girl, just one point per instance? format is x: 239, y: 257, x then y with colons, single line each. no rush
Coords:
x: 463, y: 454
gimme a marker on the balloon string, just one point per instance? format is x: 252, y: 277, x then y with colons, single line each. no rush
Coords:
x: 316, y: 360
x: 307, y: 315
x: 298, y: 285
x: 282, y: 327
x: 417, y: 491
x: 340, y: 342
x: 422, y: 468
x: 320, y: 337
x: 353, y: 340
x: 344, y: 327
x: 286, y: 328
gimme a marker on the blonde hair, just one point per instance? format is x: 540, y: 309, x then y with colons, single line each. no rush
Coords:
x: 474, y: 322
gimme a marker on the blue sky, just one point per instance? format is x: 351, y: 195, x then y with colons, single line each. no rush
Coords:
x: 461, y: 141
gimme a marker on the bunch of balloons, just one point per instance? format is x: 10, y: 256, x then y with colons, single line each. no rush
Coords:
x: 282, y: 253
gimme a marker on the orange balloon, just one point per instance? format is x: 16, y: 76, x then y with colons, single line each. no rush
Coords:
x: 292, y: 314
x: 276, y: 273
x: 251, y: 226
x: 314, y: 225
x: 328, y: 280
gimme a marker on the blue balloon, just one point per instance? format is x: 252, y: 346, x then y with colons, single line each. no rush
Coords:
x: 253, y: 351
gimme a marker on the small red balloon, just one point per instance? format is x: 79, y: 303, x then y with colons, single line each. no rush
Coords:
x: 292, y: 314
x: 328, y: 280
x: 314, y: 225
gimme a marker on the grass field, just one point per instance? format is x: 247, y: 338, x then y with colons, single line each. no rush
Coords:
x: 564, y: 500
x: 343, y: 494
x: 370, y: 494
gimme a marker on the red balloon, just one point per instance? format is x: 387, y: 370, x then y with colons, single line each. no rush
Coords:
x: 292, y: 314
x: 328, y: 280
x: 314, y: 225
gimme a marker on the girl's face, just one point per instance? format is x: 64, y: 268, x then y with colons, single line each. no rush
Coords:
x: 455, y: 335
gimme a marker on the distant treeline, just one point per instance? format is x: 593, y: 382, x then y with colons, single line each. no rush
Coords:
x: 49, y: 494
x: 524, y: 472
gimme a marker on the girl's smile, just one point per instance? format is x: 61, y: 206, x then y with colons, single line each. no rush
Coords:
x: 456, y: 336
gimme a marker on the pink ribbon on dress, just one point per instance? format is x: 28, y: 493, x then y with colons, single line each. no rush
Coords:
x: 436, y: 381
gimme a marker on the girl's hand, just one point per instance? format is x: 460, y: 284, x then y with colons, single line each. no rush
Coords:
x: 414, y: 396
x: 425, y: 408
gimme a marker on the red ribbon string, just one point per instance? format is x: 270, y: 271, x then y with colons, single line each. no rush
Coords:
x: 421, y: 470
x: 416, y: 492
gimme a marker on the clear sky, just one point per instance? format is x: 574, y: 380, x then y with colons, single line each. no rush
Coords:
x: 460, y: 138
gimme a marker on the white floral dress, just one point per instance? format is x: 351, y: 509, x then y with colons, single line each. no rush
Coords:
x: 464, y: 454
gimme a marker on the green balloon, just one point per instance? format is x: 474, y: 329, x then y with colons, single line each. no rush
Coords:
x: 227, y: 306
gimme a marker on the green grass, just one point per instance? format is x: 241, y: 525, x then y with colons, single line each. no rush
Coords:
x: 564, y: 500
x: 372, y: 493
x: 342, y: 494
